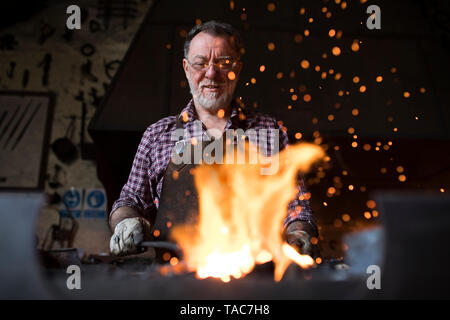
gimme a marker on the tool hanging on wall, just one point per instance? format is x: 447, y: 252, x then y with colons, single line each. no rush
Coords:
x: 87, y: 149
x: 64, y: 148
x: 55, y: 181
x: 63, y: 232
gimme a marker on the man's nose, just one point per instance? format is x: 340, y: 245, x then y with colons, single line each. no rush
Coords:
x: 211, y: 71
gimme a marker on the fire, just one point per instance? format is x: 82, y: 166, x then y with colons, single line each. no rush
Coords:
x: 241, y: 216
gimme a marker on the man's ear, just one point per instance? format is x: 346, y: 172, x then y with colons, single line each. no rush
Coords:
x: 185, y: 65
x: 239, y: 68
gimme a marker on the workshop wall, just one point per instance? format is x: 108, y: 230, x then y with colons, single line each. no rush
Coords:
x: 41, y: 55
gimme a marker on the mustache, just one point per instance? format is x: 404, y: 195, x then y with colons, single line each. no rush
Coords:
x: 211, y: 83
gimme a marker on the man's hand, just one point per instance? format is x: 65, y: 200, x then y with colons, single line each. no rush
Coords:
x: 298, y: 235
x: 300, y: 240
x: 127, y: 235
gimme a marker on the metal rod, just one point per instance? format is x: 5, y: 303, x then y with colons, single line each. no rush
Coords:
x: 161, y: 244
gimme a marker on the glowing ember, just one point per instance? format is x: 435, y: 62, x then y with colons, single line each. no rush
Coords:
x: 298, y: 38
x: 305, y: 64
x: 185, y: 117
x: 271, y: 7
x: 336, y: 51
x: 371, y: 204
x: 241, y: 215
x: 231, y: 75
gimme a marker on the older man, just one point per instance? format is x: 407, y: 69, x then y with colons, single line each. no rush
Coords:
x: 212, y: 66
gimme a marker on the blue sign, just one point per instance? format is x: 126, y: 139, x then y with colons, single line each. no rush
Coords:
x: 96, y: 199
x: 72, y: 198
x: 94, y: 203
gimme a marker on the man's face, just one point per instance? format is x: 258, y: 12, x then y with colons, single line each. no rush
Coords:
x: 212, y: 87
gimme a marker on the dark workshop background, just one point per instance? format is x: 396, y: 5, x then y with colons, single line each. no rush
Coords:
x: 377, y: 100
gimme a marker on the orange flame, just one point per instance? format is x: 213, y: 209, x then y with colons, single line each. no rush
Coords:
x: 241, y: 216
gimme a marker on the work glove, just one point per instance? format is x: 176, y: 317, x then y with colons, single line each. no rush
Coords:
x: 297, y: 235
x: 301, y: 241
x: 127, y: 235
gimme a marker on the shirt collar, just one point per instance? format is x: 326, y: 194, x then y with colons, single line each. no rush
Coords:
x: 237, y: 117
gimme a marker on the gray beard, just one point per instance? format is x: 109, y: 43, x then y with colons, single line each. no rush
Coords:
x: 209, y: 101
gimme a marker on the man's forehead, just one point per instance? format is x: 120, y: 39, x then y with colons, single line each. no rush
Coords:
x: 203, y: 43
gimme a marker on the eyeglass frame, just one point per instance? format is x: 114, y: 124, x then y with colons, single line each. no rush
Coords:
x: 233, y: 65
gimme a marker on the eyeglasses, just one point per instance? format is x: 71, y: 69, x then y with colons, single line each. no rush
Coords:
x: 223, y: 65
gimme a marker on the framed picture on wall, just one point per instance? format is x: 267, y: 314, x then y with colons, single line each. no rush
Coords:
x: 25, y: 126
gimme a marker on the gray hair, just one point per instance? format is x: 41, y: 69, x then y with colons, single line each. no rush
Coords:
x: 215, y: 28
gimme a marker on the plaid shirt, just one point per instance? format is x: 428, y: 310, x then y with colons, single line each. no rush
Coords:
x: 143, y: 189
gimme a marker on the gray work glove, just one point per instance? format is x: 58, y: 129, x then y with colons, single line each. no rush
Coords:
x: 297, y: 235
x: 128, y: 233
x: 300, y: 240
